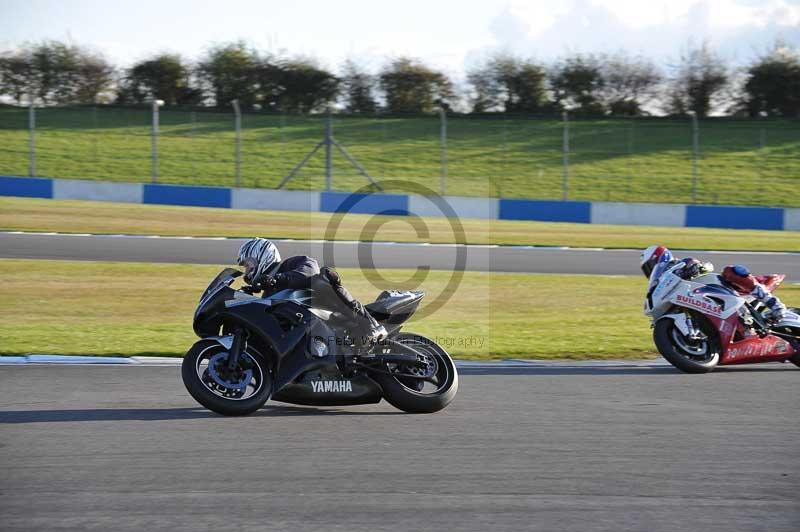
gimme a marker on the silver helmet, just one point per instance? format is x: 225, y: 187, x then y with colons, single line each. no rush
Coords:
x: 265, y: 254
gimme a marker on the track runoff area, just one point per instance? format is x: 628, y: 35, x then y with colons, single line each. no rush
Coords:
x: 524, y: 446
x: 346, y: 254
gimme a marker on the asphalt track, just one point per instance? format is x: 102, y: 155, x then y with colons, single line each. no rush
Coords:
x: 553, y: 449
x: 366, y: 255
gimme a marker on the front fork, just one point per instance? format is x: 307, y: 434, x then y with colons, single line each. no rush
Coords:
x: 235, y: 352
x: 685, y: 324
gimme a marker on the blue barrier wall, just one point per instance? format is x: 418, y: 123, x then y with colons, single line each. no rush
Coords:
x: 734, y: 217
x: 721, y: 216
x: 26, y: 187
x: 189, y: 196
x: 395, y: 204
x: 546, y: 211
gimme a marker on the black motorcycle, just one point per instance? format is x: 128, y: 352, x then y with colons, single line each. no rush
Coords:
x: 301, y: 347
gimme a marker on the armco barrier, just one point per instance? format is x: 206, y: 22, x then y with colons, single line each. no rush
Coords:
x: 546, y: 211
x: 483, y: 208
x: 635, y: 213
x: 791, y: 219
x: 396, y: 204
x: 98, y: 191
x: 186, y: 195
x: 715, y: 216
x: 275, y: 200
x: 26, y: 187
x: 730, y: 217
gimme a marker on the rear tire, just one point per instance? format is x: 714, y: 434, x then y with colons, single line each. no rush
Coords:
x: 410, y: 400
x: 796, y: 358
x: 664, y: 336
x: 196, y: 387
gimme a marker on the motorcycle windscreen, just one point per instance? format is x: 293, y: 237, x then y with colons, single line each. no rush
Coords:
x: 655, y: 275
x: 223, y: 278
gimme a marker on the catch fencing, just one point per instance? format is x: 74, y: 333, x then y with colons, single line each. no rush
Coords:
x: 641, y: 159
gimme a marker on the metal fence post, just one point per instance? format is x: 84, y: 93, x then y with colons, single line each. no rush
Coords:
x: 329, y: 152
x: 565, y: 149
x: 192, y: 135
x: 154, y: 141
x: 238, y: 125
x: 762, y: 152
x: 31, y: 140
x: 695, y: 153
x: 443, y: 150
x: 94, y: 134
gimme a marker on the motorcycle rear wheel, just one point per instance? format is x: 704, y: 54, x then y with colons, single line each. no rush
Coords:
x: 209, y: 388
x: 681, y: 351
x: 402, y: 394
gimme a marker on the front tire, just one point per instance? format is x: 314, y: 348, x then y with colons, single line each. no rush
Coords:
x: 403, y: 393
x: 237, y: 394
x: 689, y: 356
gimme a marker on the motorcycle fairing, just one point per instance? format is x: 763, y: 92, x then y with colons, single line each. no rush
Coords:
x: 361, y: 390
x: 708, y: 299
x: 301, y: 359
x: 393, y: 308
x: 755, y: 349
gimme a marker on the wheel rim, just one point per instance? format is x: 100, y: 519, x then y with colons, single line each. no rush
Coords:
x: 431, y: 379
x: 695, y: 349
x: 243, y: 383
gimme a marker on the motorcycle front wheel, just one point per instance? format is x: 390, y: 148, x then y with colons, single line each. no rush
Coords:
x: 689, y: 355
x: 431, y: 388
x: 236, y: 392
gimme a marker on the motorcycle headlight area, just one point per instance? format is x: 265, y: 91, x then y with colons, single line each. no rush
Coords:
x: 318, y: 347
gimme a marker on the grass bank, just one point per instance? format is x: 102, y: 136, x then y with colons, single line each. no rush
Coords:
x: 643, y: 159
x: 24, y: 214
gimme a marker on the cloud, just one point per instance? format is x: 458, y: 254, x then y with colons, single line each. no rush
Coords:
x: 739, y: 29
x: 508, y: 29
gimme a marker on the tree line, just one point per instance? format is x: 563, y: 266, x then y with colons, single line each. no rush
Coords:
x: 701, y: 81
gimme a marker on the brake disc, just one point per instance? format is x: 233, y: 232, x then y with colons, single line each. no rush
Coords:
x: 240, y: 385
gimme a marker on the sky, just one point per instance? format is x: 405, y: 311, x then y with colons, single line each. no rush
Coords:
x: 451, y: 35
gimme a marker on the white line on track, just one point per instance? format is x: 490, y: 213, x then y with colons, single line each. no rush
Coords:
x: 35, y: 359
x: 389, y: 243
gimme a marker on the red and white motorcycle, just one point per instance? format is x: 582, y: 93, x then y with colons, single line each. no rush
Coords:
x: 701, y: 323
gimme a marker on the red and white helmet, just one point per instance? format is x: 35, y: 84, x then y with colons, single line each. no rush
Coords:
x: 651, y: 256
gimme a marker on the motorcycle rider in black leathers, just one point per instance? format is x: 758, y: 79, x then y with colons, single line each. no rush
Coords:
x: 265, y: 271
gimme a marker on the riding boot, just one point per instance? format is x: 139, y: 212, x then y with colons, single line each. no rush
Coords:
x: 374, y: 331
x: 377, y: 332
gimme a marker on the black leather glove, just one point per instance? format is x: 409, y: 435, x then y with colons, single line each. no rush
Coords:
x: 250, y: 289
x: 267, y: 283
x: 691, y: 269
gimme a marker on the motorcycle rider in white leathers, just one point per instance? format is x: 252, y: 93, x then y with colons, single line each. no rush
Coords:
x: 655, y: 260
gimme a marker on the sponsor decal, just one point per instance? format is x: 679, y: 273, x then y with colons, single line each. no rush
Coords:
x: 331, y: 386
x: 726, y: 327
x: 758, y: 349
x: 699, y: 304
x: 666, y: 286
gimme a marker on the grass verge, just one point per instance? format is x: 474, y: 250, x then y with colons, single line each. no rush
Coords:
x: 80, y: 308
x: 644, y: 159
x: 25, y: 214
